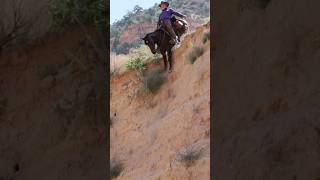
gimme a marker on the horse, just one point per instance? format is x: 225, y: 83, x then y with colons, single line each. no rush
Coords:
x: 159, y: 41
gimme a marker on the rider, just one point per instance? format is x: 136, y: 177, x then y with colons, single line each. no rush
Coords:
x: 165, y: 20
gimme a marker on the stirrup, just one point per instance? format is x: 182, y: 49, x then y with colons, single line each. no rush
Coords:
x: 172, y: 41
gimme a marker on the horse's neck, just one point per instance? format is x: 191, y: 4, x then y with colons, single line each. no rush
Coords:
x: 155, y: 36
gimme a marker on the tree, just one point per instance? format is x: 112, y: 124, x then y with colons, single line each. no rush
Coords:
x: 151, y: 11
x: 137, y: 9
x: 84, y: 12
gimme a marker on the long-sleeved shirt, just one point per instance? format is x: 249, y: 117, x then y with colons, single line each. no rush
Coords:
x: 167, y: 14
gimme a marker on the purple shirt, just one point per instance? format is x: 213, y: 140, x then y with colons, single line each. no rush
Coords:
x: 167, y: 14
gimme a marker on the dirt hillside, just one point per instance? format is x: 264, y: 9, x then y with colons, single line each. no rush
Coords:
x: 266, y: 95
x: 52, y: 118
x: 149, y: 132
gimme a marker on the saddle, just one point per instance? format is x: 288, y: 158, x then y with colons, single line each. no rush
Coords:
x: 180, y: 26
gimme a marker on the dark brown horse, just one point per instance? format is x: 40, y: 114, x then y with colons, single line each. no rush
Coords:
x: 159, y: 41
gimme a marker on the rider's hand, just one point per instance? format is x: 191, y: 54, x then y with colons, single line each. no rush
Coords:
x: 185, y: 18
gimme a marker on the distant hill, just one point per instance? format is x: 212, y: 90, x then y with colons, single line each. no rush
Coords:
x: 125, y: 33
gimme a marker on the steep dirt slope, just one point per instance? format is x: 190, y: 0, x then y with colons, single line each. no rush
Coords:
x: 51, y: 111
x: 148, y: 132
x: 266, y: 96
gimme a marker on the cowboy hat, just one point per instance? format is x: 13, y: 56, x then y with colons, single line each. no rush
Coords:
x: 164, y: 2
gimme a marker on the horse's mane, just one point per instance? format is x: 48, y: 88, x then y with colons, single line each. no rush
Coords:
x: 158, y: 35
x: 160, y: 30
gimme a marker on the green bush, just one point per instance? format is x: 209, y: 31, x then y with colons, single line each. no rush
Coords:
x: 157, y: 57
x: 69, y: 12
x: 153, y: 80
x: 195, y: 53
x: 136, y: 63
x: 116, y: 168
x: 206, y: 37
x: 138, y: 59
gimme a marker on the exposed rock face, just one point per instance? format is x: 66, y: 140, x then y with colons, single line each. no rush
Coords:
x: 135, y: 31
x: 52, y: 118
x: 266, y: 90
x: 149, y: 132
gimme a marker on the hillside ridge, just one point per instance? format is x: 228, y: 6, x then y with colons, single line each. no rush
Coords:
x: 125, y: 33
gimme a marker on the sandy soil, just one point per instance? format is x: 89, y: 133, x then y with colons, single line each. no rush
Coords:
x: 148, y: 132
x: 52, y: 120
x: 266, y: 95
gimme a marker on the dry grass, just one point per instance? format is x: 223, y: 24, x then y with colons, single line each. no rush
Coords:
x: 206, y: 37
x: 116, y: 167
x: 189, y: 156
x: 153, y: 80
x: 195, y: 53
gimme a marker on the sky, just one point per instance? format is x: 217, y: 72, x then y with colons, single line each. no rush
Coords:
x: 119, y: 8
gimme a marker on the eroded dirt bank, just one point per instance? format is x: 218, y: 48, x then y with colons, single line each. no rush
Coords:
x: 266, y: 96
x: 52, y: 120
x: 148, y: 132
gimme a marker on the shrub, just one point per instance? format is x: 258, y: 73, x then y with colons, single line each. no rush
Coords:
x: 69, y: 12
x: 157, y: 56
x: 263, y: 3
x: 195, y: 53
x: 116, y: 167
x: 136, y: 63
x: 189, y: 156
x: 138, y: 58
x: 153, y: 80
x: 206, y: 37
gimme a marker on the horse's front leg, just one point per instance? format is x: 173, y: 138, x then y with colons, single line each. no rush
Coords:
x: 170, y: 60
x: 164, y: 56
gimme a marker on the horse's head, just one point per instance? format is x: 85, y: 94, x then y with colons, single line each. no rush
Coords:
x: 149, y: 42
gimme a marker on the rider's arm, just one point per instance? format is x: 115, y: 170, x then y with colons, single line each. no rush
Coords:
x: 178, y: 14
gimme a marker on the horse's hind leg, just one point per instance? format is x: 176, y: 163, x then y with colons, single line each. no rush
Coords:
x: 164, y: 56
x: 170, y: 60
